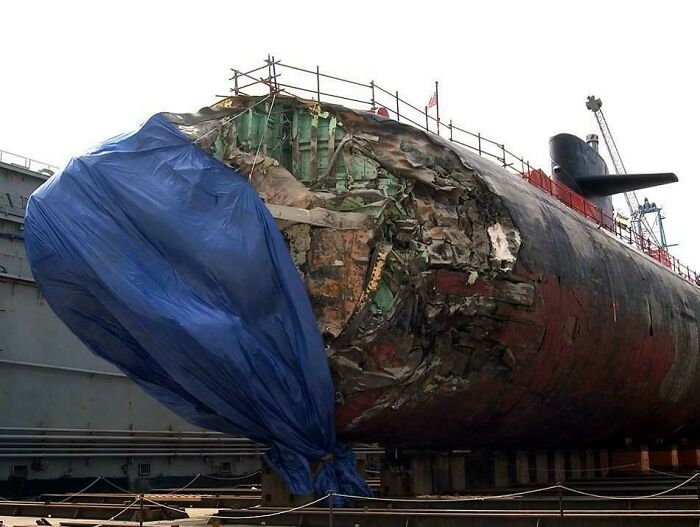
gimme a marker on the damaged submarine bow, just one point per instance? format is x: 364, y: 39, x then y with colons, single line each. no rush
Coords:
x: 459, y: 305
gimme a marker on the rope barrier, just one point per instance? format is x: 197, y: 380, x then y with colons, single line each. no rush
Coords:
x: 118, y: 514
x: 81, y: 491
x: 374, y: 498
x: 656, y: 495
x: 450, y: 499
x: 672, y: 474
x: 184, y: 487
x: 122, y: 489
x: 331, y: 495
x: 269, y: 515
x: 125, y: 491
x: 232, y: 478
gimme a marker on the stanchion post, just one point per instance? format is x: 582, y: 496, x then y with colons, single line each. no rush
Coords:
x: 437, y: 107
x: 318, y: 84
x: 561, y: 503
x: 330, y: 509
x: 697, y: 487
x: 140, y: 510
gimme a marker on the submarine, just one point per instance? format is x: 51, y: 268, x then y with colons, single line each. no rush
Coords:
x: 460, y: 306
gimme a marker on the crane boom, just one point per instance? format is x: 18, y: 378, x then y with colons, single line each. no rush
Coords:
x: 595, y: 105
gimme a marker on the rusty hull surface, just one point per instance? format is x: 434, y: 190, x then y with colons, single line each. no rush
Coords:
x: 468, y: 309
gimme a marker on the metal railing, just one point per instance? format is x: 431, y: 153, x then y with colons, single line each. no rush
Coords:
x: 376, y: 98
x: 594, y: 213
x: 312, y: 84
x: 30, y: 164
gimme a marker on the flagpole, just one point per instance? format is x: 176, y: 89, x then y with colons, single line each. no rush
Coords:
x: 437, y: 106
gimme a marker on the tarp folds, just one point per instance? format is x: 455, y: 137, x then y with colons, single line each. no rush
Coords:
x: 165, y: 262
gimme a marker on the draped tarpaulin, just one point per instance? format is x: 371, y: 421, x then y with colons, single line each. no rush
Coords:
x: 165, y: 262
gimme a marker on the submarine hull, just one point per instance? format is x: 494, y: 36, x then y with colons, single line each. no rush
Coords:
x: 467, y: 308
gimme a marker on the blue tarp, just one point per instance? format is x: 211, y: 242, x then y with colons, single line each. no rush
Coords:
x: 165, y: 262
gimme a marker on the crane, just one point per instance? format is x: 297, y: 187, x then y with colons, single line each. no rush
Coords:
x: 638, y: 221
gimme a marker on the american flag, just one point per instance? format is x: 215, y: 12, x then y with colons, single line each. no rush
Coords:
x: 433, y: 100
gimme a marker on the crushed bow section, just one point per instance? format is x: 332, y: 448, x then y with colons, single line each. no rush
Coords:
x: 406, y: 254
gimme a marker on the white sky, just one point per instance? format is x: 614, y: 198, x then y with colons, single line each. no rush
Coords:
x: 75, y: 73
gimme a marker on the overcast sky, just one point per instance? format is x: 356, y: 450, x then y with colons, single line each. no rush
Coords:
x: 75, y: 73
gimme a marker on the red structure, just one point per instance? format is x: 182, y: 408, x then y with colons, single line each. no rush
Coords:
x: 586, y: 208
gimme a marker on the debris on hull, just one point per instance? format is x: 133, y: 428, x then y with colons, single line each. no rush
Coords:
x: 460, y: 306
